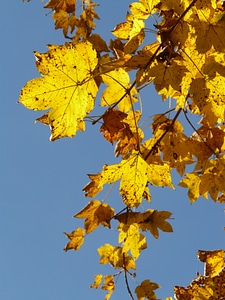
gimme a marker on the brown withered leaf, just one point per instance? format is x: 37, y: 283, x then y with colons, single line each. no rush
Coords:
x: 112, y: 124
x: 116, y: 128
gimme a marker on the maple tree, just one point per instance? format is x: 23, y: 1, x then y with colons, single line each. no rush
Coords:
x: 183, y: 65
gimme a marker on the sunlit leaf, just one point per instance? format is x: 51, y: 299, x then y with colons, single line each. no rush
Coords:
x: 66, y: 87
x: 76, y: 238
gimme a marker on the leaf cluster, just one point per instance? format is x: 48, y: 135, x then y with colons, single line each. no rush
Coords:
x: 186, y: 63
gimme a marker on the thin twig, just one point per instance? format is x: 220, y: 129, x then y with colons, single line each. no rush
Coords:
x: 163, y: 135
x: 126, y: 279
x: 200, y: 136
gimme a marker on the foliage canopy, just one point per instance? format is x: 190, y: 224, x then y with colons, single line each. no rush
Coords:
x: 186, y: 63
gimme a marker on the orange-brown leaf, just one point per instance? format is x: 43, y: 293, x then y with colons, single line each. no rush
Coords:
x: 95, y: 214
x: 76, y: 238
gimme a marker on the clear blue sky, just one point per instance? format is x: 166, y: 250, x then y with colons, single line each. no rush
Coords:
x: 41, y: 185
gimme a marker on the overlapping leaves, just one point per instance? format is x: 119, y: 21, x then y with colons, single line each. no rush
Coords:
x: 186, y: 62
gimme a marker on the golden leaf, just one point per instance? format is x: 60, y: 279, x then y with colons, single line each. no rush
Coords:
x: 97, y: 282
x: 143, y: 9
x: 98, y: 43
x: 116, y: 257
x: 66, y: 5
x: 134, y: 173
x: 129, y: 29
x: 153, y: 220
x: 76, y: 238
x: 145, y: 290
x: 95, y: 214
x: 66, y: 88
x: 214, y: 261
x: 192, y: 182
x: 61, y: 21
x: 133, y: 44
x: 108, y: 285
x: 118, y: 82
x: 132, y: 240
x: 211, y: 285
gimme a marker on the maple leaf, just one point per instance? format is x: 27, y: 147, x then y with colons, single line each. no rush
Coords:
x: 134, y: 173
x: 145, y: 290
x: 112, y: 124
x: 211, y: 180
x: 76, y: 238
x: 144, y: 8
x: 118, y: 82
x: 133, y: 44
x: 169, y: 79
x: 132, y: 239
x: 66, y: 5
x: 204, y: 142
x: 61, y: 21
x: 174, y: 145
x: 108, y: 284
x: 151, y: 220
x: 154, y: 220
x: 95, y: 213
x: 97, y: 282
x: 85, y: 23
x: 210, y: 286
x: 67, y: 87
x: 98, y: 43
x: 64, y: 13
x: 192, y: 182
x: 214, y: 261
x: 116, y: 257
x: 129, y: 29
x: 120, y: 127
x: 210, y: 27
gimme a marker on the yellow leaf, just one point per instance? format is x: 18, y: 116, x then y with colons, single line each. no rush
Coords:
x: 192, y: 182
x: 106, y: 252
x: 76, y: 238
x: 133, y: 44
x: 118, y: 82
x: 153, y: 220
x: 168, y: 79
x: 214, y: 261
x: 66, y: 88
x: 61, y: 21
x: 97, y: 282
x: 116, y: 257
x: 132, y: 239
x: 145, y: 290
x: 95, y: 214
x: 134, y: 173
x: 129, y: 29
x: 66, y: 5
x: 143, y: 9
x: 108, y: 285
